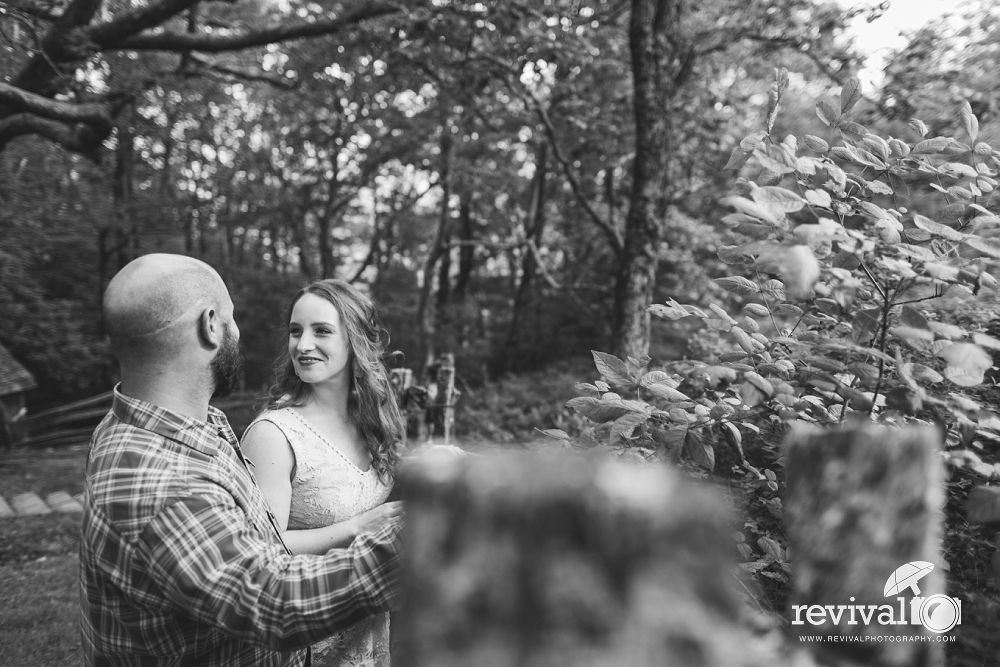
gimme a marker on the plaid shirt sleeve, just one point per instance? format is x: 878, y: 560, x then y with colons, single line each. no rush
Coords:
x: 213, y: 568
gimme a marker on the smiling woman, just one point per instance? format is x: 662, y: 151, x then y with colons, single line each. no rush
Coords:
x: 325, y: 450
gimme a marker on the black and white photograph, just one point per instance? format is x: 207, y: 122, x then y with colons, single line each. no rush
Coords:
x: 499, y: 333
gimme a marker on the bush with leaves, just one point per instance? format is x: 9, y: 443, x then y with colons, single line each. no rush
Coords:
x: 843, y: 246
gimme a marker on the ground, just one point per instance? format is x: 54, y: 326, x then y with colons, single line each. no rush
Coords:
x: 39, y: 624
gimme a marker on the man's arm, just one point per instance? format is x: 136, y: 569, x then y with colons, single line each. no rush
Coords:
x: 210, y: 563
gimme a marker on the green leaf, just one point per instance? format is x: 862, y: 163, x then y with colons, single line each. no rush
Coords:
x: 556, y: 433
x: 878, y: 187
x: 738, y: 284
x: 911, y: 318
x: 717, y: 374
x: 865, y: 324
x: 658, y: 377
x: 666, y: 392
x: 699, y: 451
x: 674, y: 311
x: 919, y: 127
x: 756, y: 310
x: 596, y: 410
x: 744, y: 340
x: 733, y: 438
x: 987, y: 247
x: 820, y: 198
x: 922, y: 373
x: 969, y: 121
x: 612, y: 368
x: 774, y: 289
x: 851, y: 130
x: 850, y: 94
x: 931, y: 146
x: 899, y: 148
x: 751, y: 208
x: 986, y: 341
x: 937, y: 228
x: 626, y: 424
x: 826, y: 113
x: 778, y: 199
x: 949, y: 331
x: 775, y: 158
x: 967, y: 363
x: 816, y: 144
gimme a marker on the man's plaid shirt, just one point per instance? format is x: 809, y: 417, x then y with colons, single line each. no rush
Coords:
x: 181, y: 561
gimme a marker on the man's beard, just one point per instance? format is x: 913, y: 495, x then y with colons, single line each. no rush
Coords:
x: 227, y: 366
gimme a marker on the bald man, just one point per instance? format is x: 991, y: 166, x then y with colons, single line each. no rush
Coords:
x: 181, y: 561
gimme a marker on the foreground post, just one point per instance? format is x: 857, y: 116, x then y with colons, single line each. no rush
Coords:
x: 524, y: 560
x: 862, y: 503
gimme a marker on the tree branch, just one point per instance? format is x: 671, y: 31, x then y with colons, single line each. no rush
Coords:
x: 95, y: 114
x: 613, y: 235
x: 214, y: 43
x: 131, y: 23
x: 79, y: 138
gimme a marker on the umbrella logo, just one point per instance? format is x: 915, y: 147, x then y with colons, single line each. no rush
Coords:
x: 907, y: 576
x: 938, y: 613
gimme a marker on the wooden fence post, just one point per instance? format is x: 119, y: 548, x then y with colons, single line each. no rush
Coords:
x: 862, y: 503
x: 558, y: 562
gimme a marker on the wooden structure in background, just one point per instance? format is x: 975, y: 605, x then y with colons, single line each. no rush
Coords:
x: 429, y: 409
x: 15, y: 381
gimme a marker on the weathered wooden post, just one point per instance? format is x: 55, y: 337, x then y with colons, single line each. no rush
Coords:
x: 862, y: 504
x: 537, y: 561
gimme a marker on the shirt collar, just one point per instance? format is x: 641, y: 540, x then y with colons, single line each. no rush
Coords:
x: 200, y: 435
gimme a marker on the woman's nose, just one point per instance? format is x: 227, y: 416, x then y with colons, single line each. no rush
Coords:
x: 305, y: 342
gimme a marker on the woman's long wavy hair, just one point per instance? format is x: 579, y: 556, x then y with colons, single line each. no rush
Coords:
x: 371, y: 405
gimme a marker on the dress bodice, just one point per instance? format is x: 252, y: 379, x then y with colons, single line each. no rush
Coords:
x: 328, y: 488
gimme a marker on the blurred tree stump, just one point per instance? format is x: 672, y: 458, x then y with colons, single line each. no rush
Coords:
x: 530, y: 561
x: 862, y: 502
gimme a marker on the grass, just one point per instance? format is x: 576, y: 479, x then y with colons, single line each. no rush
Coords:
x: 39, y: 617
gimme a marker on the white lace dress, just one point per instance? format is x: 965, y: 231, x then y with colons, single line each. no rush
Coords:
x: 327, y: 488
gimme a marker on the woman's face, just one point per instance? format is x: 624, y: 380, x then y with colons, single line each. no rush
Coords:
x: 317, y: 341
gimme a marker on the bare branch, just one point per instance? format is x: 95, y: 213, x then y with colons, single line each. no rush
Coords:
x: 132, y: 23
x: 207, y: 67
x: 215, y: 43
x: 20, y: 100
x: 613, y: 235
x: 79, y: 138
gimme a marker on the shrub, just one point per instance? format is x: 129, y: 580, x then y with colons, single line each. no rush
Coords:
x: 843, y: 248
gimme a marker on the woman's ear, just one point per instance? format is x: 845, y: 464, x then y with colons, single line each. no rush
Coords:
x: 210, y: 330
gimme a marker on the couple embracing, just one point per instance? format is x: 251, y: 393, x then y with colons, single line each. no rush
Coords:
x: 197, y: 550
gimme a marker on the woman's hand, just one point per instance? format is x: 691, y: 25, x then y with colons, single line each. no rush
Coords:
x: 375, y: 518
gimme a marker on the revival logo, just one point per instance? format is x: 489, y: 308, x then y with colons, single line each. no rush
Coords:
x: 938, y: 613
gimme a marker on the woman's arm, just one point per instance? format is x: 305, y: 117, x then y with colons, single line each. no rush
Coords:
x: 274, y: 460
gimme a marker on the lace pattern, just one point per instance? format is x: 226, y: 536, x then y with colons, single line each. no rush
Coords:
x: 329, y: 488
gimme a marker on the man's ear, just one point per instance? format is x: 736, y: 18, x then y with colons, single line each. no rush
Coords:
x: 210, y: 330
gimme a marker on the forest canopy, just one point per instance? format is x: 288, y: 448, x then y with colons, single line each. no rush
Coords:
x: 514, y: 182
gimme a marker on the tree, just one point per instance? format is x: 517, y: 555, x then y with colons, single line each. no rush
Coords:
x: 76, y: 40
x: 666, y: 46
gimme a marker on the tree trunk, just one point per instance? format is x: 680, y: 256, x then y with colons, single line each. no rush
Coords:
x: 467, y: 252
x: 126, y: 227
x: 660, y: 63
x: 533, y: 232
x: 427, y: 316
